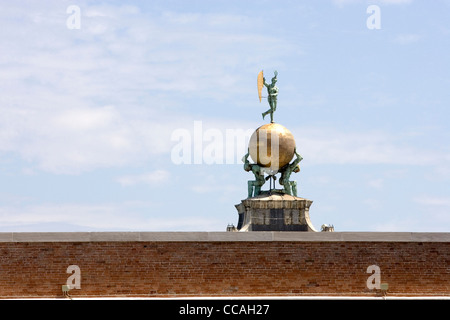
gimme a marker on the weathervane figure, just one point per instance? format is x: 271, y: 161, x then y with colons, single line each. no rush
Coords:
x: 272, y: 91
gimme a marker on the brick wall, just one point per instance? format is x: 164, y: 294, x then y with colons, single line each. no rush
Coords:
x: 188, y: 264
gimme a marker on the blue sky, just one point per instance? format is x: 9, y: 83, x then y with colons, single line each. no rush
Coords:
x: 87, y: 116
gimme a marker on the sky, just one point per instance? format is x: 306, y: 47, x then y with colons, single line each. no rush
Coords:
x: 134, y: 115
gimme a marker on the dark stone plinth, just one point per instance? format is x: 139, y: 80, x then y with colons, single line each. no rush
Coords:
x: 274, y: 212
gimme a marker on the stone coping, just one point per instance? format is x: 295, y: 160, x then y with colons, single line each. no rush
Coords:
x: 224, y: 236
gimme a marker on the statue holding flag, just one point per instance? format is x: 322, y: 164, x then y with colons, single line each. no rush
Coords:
x: 272, y: 91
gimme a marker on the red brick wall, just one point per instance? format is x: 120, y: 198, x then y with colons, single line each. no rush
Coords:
x: 38, y: 269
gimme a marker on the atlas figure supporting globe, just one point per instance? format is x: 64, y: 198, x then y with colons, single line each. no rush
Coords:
x: 290, y: 187
x: 254, y: 186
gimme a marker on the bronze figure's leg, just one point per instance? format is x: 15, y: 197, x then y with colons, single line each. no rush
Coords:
x: 294, y: 188
x: 287, y: 188
x: 250, y: 189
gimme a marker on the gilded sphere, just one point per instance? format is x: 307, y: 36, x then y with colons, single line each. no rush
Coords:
x: 272, y: 146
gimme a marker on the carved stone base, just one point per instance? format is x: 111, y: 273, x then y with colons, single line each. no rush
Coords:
x: 274, y: 212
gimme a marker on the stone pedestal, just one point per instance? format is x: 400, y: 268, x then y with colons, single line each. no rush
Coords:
x: 274, y: 212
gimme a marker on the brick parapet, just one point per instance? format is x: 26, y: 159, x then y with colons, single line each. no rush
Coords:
x: 174, y: 264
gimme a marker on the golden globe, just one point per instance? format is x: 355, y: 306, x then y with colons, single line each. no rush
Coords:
x: 272, y: 146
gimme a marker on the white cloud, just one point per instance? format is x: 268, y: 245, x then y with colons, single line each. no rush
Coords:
x: 84, y: 217
x: 433, y: 201
x: 326, y: 145
x: 405, y: 39
x: 440, y: 172
x: 78, y: 139
x: 219, y: 185
x: 151, y: 178
x: 81, y: 119
x: 376, y: 183
x: 372, y: 204
x: 342, y: 3
x: 394, y: 1
x: 397, y: 224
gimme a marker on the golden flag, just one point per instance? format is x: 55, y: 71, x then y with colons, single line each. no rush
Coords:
x: 260, y: 84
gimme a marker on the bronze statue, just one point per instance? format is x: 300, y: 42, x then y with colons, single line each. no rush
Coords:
x: 290, y: 187
x: 272, y: 91
x: 254, y: 186
x: 286, y: 149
